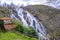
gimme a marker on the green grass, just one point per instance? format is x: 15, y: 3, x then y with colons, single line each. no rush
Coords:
x: 14, y: 36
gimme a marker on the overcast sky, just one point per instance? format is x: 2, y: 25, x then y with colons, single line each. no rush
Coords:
x: 25, y: 2
x: 32, y: 2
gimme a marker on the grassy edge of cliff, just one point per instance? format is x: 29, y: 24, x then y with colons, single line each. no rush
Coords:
x: 10, y: 35
x: 15, y: 35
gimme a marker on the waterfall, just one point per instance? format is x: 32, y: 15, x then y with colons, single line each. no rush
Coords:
x: 29, y: 20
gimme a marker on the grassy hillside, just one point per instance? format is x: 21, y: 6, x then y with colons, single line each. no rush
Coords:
x: 14, y: 36
x: 18, y: 33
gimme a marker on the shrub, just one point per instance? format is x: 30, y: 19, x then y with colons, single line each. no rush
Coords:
x: 19, y: 26
x: 30, y: 32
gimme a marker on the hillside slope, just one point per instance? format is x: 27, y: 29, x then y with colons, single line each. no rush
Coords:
x: 14, y: 36
x: 47, y: 15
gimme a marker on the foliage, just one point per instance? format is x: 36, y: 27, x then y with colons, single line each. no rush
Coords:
x: 19, y: 28
x: 10, y: 35
x: 29, y: 31
x: 19, y: 25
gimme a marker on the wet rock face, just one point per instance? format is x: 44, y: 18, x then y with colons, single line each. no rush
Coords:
x: 28, y: 20
x: 34, y: 24
x: 17, y: 17
x: 25, y: 14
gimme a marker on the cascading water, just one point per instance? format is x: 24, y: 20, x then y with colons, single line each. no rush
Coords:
x: 29, y: 20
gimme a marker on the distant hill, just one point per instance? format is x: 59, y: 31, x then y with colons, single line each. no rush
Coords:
x: 49, y: 16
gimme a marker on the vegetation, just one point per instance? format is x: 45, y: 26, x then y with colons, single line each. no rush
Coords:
x: 21, y: 33
x: 10, y: 35
x: 49, y: 16
x: 19, y: 26
x: 29, y: 31
x: 18, y: 33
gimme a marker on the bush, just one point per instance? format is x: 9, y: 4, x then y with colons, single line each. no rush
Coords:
x: 30, y: 32
x: 19, y: 26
